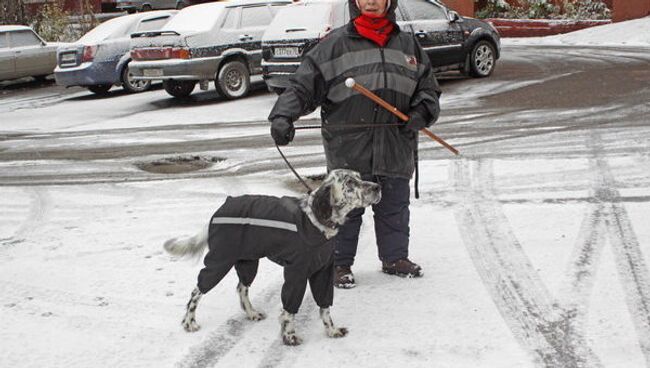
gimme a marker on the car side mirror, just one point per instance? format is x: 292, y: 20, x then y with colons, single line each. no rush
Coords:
x: 454, y: 17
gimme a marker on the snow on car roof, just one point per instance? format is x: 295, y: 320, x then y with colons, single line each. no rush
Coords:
x: 198, y: 18
x: 233, y: 3
x: 12, y: 28
x: 117, y: 27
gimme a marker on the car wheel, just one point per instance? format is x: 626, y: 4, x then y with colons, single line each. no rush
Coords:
x: 41, y: 78
x: 131, y: 85
x: 180, y: 5
x: 146, y: 8
x: 130, y: 11
x: 482, y: 59
x: 179, y: 89
x: 100, y: 89
x: 233, y: 80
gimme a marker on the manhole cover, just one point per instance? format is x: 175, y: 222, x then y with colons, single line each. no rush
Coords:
x: 178, y: 164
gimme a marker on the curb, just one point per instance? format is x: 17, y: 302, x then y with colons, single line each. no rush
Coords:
x: 540, y: 27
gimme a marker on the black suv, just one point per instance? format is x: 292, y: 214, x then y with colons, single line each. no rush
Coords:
x: 451, y: 41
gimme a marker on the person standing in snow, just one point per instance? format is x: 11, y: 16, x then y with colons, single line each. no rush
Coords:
x: 372, y: 49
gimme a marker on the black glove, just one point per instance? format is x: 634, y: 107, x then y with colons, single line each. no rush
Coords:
x: 416, y: 122
x: 282, y: 131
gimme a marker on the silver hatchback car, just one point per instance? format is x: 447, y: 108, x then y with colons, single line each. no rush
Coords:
x: 218, y: 42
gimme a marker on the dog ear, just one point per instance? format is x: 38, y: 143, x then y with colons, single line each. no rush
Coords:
x: 322, y: 204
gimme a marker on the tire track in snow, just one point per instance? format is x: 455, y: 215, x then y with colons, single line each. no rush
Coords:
x: 540, y: 324
x: 279, y: 355
x: 631, y: 264
x: 579, y: 278
x: 216, y: 345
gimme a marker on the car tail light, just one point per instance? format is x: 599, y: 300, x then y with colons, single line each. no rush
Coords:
x: 157, y: 53
x: 179, y: 53
x: 89, y: 53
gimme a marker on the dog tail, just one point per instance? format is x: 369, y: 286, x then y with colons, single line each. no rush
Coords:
x: 192, y: 246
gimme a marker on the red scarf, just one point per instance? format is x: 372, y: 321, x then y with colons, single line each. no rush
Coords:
x: 376, y: 28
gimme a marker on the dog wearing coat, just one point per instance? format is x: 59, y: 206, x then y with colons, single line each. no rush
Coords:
x: 296, y: 233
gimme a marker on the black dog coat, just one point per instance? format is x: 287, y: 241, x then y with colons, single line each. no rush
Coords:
x: 247, y: 228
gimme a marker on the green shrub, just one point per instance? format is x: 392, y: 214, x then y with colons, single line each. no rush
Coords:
x: 51, y: 22
x: 544, y: 9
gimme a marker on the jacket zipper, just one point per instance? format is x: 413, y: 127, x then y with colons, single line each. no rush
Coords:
x: 383, y: 68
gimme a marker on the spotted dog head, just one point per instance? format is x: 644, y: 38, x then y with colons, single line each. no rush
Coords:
x: 341, y: 192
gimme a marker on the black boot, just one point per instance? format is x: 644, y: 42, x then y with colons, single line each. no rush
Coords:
x: 344, y: 279
x: 402, y: 267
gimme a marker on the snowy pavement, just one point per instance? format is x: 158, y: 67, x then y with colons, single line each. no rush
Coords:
x: 535, y: 241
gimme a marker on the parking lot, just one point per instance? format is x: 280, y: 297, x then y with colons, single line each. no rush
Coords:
x: 534, y: 240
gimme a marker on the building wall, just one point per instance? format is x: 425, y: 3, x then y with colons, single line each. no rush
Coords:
x: 463, y: 7
x: 629, y: 9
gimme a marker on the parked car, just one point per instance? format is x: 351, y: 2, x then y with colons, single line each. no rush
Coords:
x: 24, y: 54
x: 100, y: 59
x: 108, y: 6
x: 214, y: 41
x: 180, y: 4
x: 451, y: 41
x: 132, y: 6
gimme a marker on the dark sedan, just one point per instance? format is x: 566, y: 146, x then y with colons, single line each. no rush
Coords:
x: 451, y: 41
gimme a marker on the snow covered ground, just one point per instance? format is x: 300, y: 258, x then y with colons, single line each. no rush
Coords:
x: 631, y: 33
x: 534, y: 242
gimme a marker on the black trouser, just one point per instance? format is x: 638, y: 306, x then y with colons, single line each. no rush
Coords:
x: 391, y: 216
x: 320, y: 282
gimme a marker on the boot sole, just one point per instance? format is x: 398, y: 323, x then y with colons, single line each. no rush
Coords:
x: 402, y: 274
x: 345, y: 286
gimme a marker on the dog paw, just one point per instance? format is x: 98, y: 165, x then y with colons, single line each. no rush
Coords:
x: 191, y: 326
x: 338, y: 332
x: 256, y: 316
x: 291, y: 340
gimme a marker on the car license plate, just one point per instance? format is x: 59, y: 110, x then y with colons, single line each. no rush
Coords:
x: 286, y: 52
x: 69, y: 58
x: 152, y: 72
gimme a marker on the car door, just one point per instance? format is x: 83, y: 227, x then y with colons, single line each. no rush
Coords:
x: 7, y: 58
x: 440, y: 38
x: 32, y: 55
x: 254, y: 20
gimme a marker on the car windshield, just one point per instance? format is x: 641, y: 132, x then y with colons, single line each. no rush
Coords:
x: 110, y: 29
x: 310, y: 16
x: 196, y: 18
x: 152, y: 24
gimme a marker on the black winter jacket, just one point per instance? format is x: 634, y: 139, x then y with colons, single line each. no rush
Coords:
x: 400, y: 73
